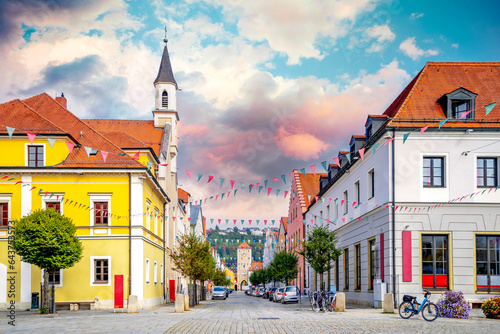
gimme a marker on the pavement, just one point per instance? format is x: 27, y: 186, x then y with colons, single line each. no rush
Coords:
x: 241, y: 314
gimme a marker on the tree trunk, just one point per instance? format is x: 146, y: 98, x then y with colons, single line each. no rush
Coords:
x: 321, y: 287
x: 45, y: 301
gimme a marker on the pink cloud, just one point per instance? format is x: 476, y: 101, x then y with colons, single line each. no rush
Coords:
x: 302, y: 146
x: 193, y: 131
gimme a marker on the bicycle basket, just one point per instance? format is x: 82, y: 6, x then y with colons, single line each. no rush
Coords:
x: 407, y: 298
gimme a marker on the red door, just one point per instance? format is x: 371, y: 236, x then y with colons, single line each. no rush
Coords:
x: 172, y: 289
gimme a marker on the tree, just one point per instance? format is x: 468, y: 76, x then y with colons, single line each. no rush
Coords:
x: 320, y: 249
x: 47, y: 239
x: 284, y: 266
x: 220, y: 278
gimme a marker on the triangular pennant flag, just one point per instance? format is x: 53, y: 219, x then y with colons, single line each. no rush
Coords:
x: 283, y: 177
x: 265, y: 184
x: 104, y: 155
x: 250, y: 188
x: 313, y: 168
x: 442, y: 122
x: 388, y: 141
x: 465, y: 114
x: 149, y: 164
x: 361, y: 153
x: 221, y: 182
x: 242, y: 185
x: 422, y: 130
x: 277, y: 192
x: 188, y: 173
x: 348, y: 156
x: 336, y: 160
x: 51, y: 142
x: 269, y: 191
x: 210, y: 178
x: 260, y: 188
x: 276, y: 179
x: 136, y: 156
x: 199, y: 176
x: 489, y: 107
x: 324, y: 166
x: 222, y: 197
x: 88, y: 150
x: 374, y: 148
x: 10, y: 131
x: 232, y: 184
x: 286, y: 193
x: 31, y: 136
x: 164, y: 165
x: 265, y: 222
x: 405, y: 136
x: 303, y: 171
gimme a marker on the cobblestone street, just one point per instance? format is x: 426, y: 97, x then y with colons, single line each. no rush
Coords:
x: 241, y: 314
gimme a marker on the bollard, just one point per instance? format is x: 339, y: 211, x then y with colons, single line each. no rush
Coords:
x: 388, y: 303
x: 186, y: 302
x: 132, y: 305
x: 340, y: 303
x: 179, y: 303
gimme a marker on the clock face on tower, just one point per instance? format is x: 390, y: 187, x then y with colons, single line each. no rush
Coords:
x: 243, y: 253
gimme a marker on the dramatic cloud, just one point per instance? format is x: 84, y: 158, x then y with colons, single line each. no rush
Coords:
x: 410, y: 48
x: 302, y: 146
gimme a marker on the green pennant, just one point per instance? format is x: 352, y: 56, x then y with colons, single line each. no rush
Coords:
x: 10, y: 131
x: 442, y: 122
x: 374, y: 148
x: 51, y: 142
x: 489, y: 107
x: 405, y: 136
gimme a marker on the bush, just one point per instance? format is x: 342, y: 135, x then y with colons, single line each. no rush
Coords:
x: 452, y: 304
x: 491, y: 308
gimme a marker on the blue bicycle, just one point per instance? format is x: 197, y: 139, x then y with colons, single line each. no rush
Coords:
x: 409, y: 308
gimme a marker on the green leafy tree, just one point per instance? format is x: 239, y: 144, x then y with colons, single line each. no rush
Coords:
x: 47, y: 239
x: 284, y: 266
x: 220, y: 278
x: 320, y: 249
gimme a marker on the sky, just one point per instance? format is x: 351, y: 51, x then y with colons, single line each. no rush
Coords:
x: 265, y: 86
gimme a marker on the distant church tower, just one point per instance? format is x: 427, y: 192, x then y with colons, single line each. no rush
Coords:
x: 244, y: 263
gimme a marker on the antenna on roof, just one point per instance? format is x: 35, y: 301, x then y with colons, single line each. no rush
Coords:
x: 165, y: 39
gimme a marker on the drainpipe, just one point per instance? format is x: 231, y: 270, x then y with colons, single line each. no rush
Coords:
x: 393, y: 218
x: 130, y: 234
x: 165, y: 258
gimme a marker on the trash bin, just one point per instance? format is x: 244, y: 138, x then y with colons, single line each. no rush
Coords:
x: 34, y: 299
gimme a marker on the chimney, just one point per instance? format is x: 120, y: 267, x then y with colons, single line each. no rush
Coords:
x: 62, y: 100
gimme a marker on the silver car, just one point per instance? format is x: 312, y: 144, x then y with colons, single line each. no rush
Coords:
x: 291, y: 294
x: 219, y: 292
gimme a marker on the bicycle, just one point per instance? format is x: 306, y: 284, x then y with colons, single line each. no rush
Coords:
x: 331, y: 301
x: 408, y: 308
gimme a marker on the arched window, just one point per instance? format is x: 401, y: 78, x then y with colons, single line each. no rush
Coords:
x: 164, y: 100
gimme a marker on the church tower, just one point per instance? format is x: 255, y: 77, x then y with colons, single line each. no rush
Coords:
x: 244, y: 264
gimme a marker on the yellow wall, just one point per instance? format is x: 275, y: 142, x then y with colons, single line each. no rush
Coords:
x: 154, y: 253
x: 14, y: 151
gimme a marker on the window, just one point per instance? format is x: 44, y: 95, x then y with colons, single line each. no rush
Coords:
x: 357, y: 196
x: 101, y: 213
x: 155, y: 272
x: 328, y: 213
x: 101, y: 273
x: 4, y: 214
x: 56, y: 206
x: 372, y: 263
x: 487, y: 172
x: 161, y: 273
x: 147, y: 271
x: 346, y: 206
x: 488, y: 263
x: 369, y: 131
x: 433, y: 172
x: 357, y: 255
x: 435, y: 261
x: 459, y: 103
x: 461, y: 107
x: 35, y: 156
x: 164, y: 99
x: 346, y: 269
x: 148, y: 216
x: 55, y: 277
x: 156, y: 221
x: 371, y: 183
x: 336, y: 209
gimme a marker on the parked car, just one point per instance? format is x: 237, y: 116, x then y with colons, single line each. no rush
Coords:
x: 270, y: 294
x: 219, y: 292
x: 278, y: 294
x: 260, y: 292
x: 290, y: 294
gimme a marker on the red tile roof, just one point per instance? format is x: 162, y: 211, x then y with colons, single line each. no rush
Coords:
x: 359, y: 136
x: 124, y: 140
x: 256, y: 266
x: 182, y: 195
x: 284, y: 222
x: 418, y: 104
x: 244, y: 245
x: 310, y: 184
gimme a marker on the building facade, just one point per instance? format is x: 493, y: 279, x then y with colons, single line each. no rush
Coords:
x: 244, y: 264
x: 414, y: 202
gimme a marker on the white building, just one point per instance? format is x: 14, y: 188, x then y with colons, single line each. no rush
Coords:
x: 270, y: 246
x: 419, y: 207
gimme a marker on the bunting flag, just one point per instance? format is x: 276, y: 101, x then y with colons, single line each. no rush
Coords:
x: 265, y: 221
x: 265, y: 184
x: 489, y: 107
x: 31, y: 137
x: 277, y: 192
x: 283, y: 177
x: 149, y: 164
x: 422, y: 130
x: 232, y: 184
x: 235, y: 190
x: 286, y: 193
x: 199, y: 177
x: 10, y: 131
x: 250, y: 188
x: 276, y: 179
x: 269, y: 191
x: 164, y: 165
x: 51, y: 142
x: 260, y: 188
x: 221, y: 182
x: 242, y: 185
x: 361, y: 153
x: 324, y: 164
x: 405, y: 136
x: 465, y: 114
x: 136, y: 156
x: 442, y: 122
x: 188, y: 173
x: 336, y: 160
x: 104, y: 155
x: 348, y: 156
x: 303, y: 171
x: 313, y: 168
x: 388, y: 141
x: 374, y: 148
x: 210, y: 178
x: 88, y: 150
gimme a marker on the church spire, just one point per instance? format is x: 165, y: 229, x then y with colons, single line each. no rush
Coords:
x: 165, y: 74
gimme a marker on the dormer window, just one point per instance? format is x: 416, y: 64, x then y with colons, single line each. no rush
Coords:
x: 459, y: 104
x: 369, y: 132
x: 164, y: 99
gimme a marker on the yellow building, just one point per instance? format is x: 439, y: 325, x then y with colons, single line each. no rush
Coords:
x: 230, y: 276
x: 116, y: 179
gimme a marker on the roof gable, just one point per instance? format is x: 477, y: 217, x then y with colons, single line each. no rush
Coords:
x: 244, y: 245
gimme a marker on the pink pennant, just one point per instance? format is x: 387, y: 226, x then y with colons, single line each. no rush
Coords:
x: 265, y: 222
x: 188, y: 173
x: 316, y: 197
x: 388, y: 141
x: 173, y: 218
x: 217, y: 196
x: 31, y: 136
x: 422, y: 130
x: 210, y: 178
x: 219, y: 220
x: 250, y: 221
x: 465, y: 114
x: 343, y: 219
x: 164, y: 165
x: 361, y: 153
x: 329, y: 201
x: 312, y: 221
x: 313, y: 168
x: 342, y: 202
x: 5, y: 177
x: 104, y: 155
x: 286, y: 193
x: 205, y: 200
x: 234, y: 220
x: 136, y: 156
x: 336, y: 160
x: 70, y: 146
x: 232, y: 184
x: 269, y: 191
x: 276, y: 179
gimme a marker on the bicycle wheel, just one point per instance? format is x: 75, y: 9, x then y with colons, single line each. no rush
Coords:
x: 430, y: 312
x: 311, y: 300
x: 405, y: 310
